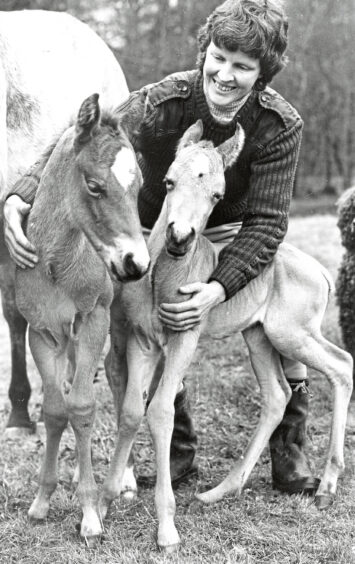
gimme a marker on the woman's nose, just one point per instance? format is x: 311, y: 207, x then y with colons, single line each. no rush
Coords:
x: 225, y: 73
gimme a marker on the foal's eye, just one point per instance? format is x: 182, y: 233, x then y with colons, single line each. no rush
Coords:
x: 94, y: 188
x: 217, y: 196
x: 169, y: 184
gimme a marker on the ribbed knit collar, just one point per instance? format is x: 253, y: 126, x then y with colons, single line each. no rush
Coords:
x: 205, y: 113
x: 224, y: 114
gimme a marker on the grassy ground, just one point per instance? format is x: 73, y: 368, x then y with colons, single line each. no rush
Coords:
x: 260, y: 527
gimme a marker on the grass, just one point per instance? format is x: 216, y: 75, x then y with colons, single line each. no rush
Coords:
x: 262, y: 526
x: 313, y: 205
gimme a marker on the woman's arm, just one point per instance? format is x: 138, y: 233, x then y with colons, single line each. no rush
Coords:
x: 266, y: 218
x: 16, y: 207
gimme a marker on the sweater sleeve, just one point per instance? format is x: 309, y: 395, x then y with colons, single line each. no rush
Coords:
x: 26, y: 186
x: 266, y: 218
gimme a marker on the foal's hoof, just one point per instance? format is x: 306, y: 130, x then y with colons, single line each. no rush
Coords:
x: 41, y: 430
x: 129, y: 495
x: 93, y: 542
x: 12, y: 433
x: 323, y: 501
x: 170, y: 549
x: 38, y: 511
x: 168, y: 539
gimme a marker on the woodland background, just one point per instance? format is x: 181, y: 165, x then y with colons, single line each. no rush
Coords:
x: 152, y: 38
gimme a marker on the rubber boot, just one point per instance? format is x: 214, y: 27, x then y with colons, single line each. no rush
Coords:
x: 291, y: 472
x: 183, y: 446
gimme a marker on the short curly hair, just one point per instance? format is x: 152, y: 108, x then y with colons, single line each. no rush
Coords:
x: 256, y: 27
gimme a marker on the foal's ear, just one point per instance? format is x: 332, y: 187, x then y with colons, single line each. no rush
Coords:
x: 191, y: 136
x: 87, y: 120
x: 230, y: 149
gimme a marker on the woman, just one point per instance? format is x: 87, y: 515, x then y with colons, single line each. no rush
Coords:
x: 241, y: 48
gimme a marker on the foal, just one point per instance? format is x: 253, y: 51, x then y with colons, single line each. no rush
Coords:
x: 85, y: 227
x: 291, y: 292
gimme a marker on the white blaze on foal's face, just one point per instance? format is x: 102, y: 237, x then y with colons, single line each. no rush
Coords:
x: 200, y: 166
x: 124, y: 167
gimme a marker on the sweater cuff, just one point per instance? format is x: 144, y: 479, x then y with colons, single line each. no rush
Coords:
x: 231, y: 279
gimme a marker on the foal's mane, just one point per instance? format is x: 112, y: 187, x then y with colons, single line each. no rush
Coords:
x: 108, y: 119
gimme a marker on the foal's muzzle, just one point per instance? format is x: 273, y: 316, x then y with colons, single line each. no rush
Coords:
x: 177, y: 243
x: 132, y: 270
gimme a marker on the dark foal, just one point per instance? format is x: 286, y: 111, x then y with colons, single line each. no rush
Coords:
x: 85, y: 226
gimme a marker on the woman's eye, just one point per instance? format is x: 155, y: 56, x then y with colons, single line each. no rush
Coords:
x: 95, y: 189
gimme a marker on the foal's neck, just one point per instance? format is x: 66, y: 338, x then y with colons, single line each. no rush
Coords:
x: 59, y: 243
x: 168, y: 273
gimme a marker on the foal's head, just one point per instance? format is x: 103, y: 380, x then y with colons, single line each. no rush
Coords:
x: 106, y: 179
x: 195, y: 183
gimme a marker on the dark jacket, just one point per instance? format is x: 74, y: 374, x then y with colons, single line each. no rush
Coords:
x: 258, y: 187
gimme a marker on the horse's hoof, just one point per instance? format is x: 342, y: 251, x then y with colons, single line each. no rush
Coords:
x: 41, y: 430
x: 170, y: 549
x: 129, y: 495
x: 324, y: 501
x: 37, y: 514
x: 93, y: 541
x: 13, y: 433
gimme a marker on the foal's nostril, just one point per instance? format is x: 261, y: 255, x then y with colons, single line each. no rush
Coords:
x: 131, y: 268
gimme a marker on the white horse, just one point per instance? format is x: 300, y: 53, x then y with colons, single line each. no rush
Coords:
x: 49, y: 63
x: 279, y: 314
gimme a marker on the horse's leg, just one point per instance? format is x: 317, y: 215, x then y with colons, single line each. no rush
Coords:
x: 50, y: 367
x: 180, y: 349
x: 19, y: 392
x: 275, y: 394
x: 117, y: 375
x: 141, y: 362
x: 80, y: 403
x: 312, y: 349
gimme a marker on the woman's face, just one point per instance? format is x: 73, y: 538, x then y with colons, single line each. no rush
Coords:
x: 228, y: 75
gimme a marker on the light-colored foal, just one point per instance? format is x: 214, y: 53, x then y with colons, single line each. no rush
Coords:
x: 279, y: 313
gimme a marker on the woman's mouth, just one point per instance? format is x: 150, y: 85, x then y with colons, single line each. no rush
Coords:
x: 222, y: 87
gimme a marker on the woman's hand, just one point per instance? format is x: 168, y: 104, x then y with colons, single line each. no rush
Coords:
x: 20, y: 249
x: 185, y: 315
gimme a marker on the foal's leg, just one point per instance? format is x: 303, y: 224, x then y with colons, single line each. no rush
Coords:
x: 179, y: 352
x: 275, y: 394
x: 19, y: 392
x: 80, y: 402
x: 117, y: 376
x: 50, y: 367
x: 141, y: 362
x: 312, y: 349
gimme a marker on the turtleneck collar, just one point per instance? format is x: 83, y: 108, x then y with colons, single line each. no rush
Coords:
x: 224, y: 114
x: 204, y: 111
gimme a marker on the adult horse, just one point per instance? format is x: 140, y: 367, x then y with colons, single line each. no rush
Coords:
x: 49, y: 62
x: 85, y: 226
x: 291, y: 292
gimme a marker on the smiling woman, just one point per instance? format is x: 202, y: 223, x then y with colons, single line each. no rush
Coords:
x: 228, y: 76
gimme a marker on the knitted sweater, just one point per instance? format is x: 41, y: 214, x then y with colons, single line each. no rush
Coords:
x: 258, y: 187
